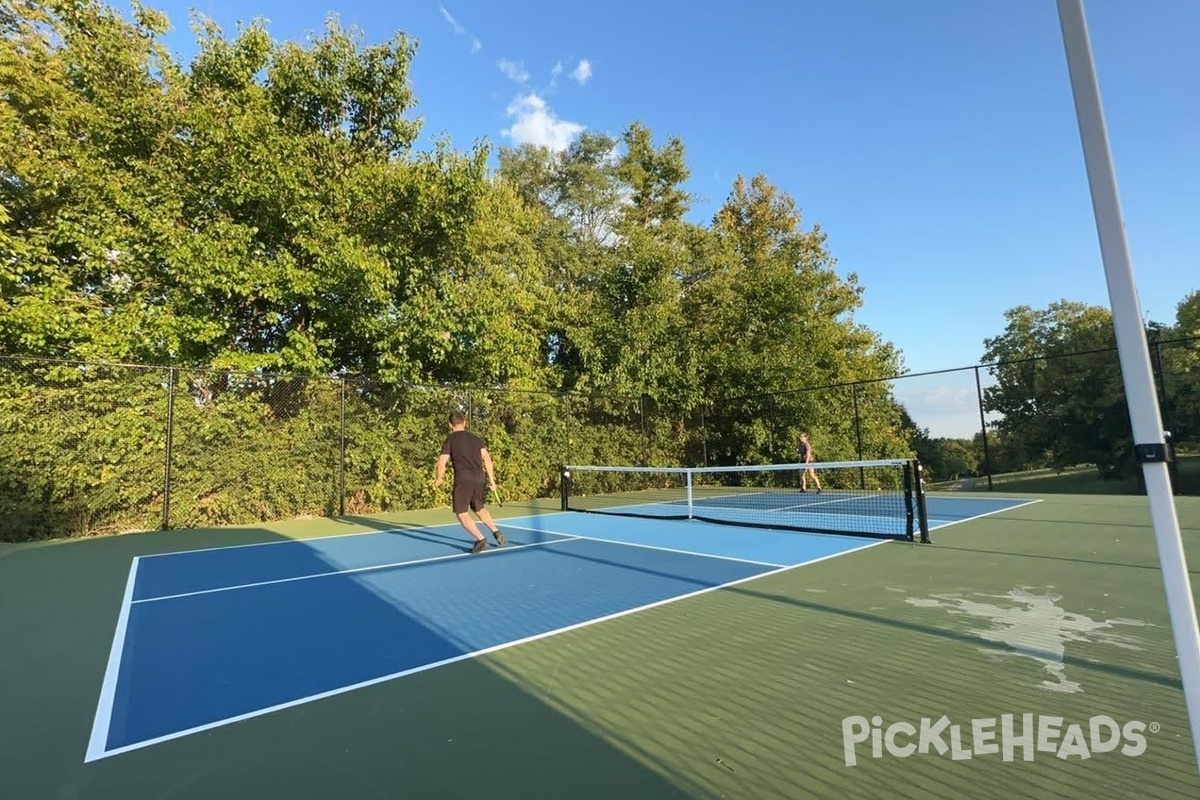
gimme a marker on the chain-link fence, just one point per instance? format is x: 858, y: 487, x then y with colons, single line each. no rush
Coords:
x: 1050, y: 423
x: 100, y: 448
x: 103, y: 448
x: 82, y: 448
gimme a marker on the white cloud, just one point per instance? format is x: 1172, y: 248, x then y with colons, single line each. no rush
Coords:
x: 555, y: 72
x: 476, y: 45
x: 536, y: 123
x: 515, y: 70
x: 582, y: 72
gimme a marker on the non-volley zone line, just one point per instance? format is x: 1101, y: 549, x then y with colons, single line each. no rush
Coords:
x: 860, y: 498
x: 347, y: 571
x: 680, y: 550
x: 775, y: 498
x: 695, y: 537
x: 221, y: 567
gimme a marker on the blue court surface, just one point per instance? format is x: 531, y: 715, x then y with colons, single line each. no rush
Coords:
x: 209, y: 637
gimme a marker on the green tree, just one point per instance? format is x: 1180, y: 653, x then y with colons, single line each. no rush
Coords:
x: 769, y: 314
x: 1004, y: 454
x: 1179, y: 357
x: 1059, y: 390
x: 576, y: 197
x: 944, y: 458
x: 90, y: 101
x: 638, y: 320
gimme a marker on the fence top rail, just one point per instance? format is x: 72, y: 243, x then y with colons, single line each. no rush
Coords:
x: 350, y: 378
x: 970, y: 367
x: 74, y: 362
x: 346, y: 377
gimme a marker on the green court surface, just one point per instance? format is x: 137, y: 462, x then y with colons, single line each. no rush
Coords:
x: 1054, y: 609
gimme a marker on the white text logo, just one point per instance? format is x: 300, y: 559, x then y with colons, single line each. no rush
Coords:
x: 1007, y: 737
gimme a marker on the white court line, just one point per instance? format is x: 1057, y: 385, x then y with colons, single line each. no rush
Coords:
x: 348, y: 571
x: 321, y: 538
x: 653, y: 547
x: 838, y: 500
x: 296, y: 541
x: 483, y: 651
x: 981, y: 516
x: 108, y: 689
x: 981, y: 495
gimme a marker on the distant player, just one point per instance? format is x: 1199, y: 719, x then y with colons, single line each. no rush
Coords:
x: 807, y: 457
x: 472, y: 464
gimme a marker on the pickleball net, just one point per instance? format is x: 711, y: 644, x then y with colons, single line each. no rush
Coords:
x: 878, y: 499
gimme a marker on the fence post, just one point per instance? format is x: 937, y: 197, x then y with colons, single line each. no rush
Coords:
x: 1161, y: 382
x: 862, y: 475
x: 1163, y: 406
x: 566, y: 443
x: 987, y: 460
x: 342, y: 457
x: 642, y: 422
x: 166, y: 515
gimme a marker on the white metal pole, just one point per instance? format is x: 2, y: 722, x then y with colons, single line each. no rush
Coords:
x: 690, y: 506
x: 1134, y: 354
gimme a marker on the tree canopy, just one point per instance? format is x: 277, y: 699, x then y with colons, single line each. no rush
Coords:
x: 265, y: 209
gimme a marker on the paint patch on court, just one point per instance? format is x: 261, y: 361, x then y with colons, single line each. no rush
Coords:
x: 1033, y: 625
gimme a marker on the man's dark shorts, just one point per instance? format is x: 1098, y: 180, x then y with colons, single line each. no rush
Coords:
x: 468, y: 493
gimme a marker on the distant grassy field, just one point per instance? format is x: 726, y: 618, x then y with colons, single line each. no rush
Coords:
x: 1082, y: 479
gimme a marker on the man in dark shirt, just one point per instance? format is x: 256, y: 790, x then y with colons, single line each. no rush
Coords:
x: 472, y: 463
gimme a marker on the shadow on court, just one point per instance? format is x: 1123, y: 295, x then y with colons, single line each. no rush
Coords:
x: 456, y: 731
x: 451, y: 533
x: 963, y: 638
x: 1044, y: 557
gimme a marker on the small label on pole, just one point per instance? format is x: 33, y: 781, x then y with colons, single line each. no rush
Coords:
x: 1151, y: 453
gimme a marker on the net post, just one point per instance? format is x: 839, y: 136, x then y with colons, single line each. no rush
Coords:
x: 922, y: 508
x: 564, y: 479
x: 908, y: 500
x: 690, y: 506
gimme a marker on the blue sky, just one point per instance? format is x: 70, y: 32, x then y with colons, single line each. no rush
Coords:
x: 934, y: 141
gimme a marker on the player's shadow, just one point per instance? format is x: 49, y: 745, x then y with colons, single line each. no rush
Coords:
x: 450, y: 534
